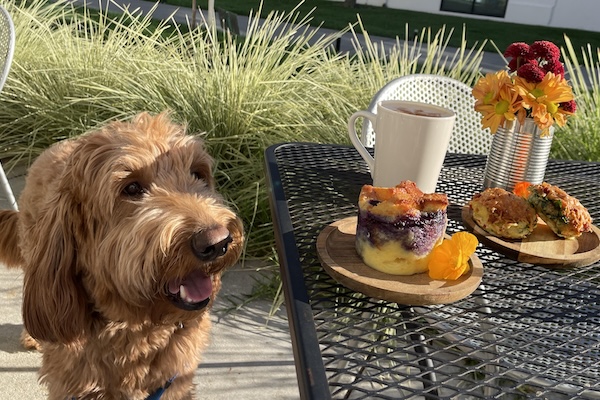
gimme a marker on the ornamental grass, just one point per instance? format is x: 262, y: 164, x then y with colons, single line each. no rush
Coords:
x: 73, y: 70
x: 76, y: 69
x: 580, y: 139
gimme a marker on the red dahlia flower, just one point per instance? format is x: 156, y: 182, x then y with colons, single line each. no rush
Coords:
x: 518, y: 52
x: 569, y: 106
x: 545, y: 50
x: 554, y: 66
x: 518, y: 49
x: 531, y: 71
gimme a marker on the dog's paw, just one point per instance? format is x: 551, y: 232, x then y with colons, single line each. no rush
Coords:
x: 28, y: 342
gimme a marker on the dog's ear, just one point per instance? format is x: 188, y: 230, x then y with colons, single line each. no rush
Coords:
x: 10, y: 253
x: 55, y: 306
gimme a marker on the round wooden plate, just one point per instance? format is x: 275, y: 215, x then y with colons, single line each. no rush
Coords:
x: 542, y: 246
x: 337, y: 252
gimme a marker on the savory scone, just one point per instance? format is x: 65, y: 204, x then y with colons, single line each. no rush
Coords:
x: 503, y: 214
x: 399, y: 226
x: 564, y: 214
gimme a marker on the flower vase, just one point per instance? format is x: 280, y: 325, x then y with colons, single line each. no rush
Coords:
x: 518, y: 153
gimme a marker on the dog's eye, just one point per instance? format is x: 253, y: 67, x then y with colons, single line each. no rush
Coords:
x: 197, y: 175
x: 133, y: 189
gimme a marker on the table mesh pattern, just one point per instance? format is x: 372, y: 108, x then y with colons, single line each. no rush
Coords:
x: 527, y: 331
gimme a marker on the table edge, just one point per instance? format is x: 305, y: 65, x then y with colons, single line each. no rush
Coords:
x: 310, y: 371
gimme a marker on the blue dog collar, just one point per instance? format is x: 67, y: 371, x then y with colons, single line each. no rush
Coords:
x: 159, y: 392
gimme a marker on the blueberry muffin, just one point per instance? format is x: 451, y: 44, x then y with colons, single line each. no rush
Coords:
x: 398, y: 227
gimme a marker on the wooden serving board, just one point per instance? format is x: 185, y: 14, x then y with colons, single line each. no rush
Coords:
x: 337, y: 253
x: 542, y: 246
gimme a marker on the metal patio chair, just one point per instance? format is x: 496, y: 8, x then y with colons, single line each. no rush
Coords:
x: 7, y: 46
x: 467, y: 136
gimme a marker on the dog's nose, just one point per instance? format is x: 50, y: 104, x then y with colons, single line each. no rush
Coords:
x: 211, y: 243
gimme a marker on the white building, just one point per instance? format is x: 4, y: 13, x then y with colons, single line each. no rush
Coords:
x: 575, y: 14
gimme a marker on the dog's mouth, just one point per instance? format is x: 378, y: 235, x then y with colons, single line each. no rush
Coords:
x: 191, y: 293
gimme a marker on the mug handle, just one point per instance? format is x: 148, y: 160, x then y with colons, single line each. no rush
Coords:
x: 356, y: 140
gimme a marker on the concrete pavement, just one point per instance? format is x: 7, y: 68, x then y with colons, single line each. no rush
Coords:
x: 250, y: 356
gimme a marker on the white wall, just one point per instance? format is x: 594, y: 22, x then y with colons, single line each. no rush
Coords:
x: 530, y: 12
x: 376, y: 3
x: 575, y: 14
x: 430, y: 6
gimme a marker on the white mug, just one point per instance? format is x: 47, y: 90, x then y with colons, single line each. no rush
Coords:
x: 411, y: 142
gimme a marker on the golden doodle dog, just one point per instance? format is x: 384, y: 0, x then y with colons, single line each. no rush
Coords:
x: 122, y: 239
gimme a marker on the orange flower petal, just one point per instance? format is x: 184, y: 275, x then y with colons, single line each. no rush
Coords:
x: 521, y: 189
x: 450, y: 260
x: 466, y: 242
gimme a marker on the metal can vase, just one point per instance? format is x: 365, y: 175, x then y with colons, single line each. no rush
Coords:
x: 518, y: 153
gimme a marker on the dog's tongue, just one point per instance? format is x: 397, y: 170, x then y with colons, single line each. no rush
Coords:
x: 196, y: 287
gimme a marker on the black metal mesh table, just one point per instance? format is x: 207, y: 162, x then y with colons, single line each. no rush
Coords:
x: 527, y: 332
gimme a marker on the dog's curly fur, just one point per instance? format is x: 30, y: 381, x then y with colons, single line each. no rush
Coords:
x: 120, y: 234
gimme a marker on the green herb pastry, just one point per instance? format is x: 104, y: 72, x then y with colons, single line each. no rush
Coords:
x: 563, y: 213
